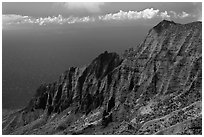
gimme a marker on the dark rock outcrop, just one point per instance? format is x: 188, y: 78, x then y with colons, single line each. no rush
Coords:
x: 152, y: 89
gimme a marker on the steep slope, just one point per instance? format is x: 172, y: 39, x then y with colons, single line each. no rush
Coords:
x: 153, y: 89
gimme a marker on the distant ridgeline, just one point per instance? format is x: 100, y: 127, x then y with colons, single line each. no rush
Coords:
x: 154, y: 88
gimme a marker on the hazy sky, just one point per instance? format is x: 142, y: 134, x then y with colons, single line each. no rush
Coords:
x: 28, y: 14
x: 41, y: 40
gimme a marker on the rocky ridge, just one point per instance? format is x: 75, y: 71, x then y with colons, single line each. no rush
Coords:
x: 155, y: 88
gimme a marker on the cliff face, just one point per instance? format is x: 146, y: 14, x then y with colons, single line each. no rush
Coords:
x: 153, y: 89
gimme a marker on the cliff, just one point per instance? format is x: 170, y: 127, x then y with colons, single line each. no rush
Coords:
x: 155, y: 88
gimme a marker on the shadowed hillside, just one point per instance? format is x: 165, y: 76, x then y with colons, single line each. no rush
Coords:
x: 154, y: 88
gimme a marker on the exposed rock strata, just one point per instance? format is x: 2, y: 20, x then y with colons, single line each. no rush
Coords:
x: 152, y: 89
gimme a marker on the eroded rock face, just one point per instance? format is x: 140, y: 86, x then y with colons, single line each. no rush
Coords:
x: 147, y: 90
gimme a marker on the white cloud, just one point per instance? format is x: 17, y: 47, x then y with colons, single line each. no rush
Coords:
x: 149, y: 13
x: 88, y: 6
x: 144, y: 14
x: 130, y: 15
x: 173, y: 14
x: 183, y: 15
x: 180, y: 15
x: 19, y: 19
x: 165, y: 15
x: 10, y: 19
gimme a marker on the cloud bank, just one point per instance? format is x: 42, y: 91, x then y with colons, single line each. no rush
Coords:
x: 18, y: 19
x: 131, y: 15
x: 145, y: 14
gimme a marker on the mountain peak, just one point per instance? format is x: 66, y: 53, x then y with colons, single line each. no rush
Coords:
x: 167, y: 21
x: 163, y: 25
x: 153, y: 90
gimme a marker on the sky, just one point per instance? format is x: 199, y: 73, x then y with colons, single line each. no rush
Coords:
x: 21, y: 15
x: 42, y: 40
